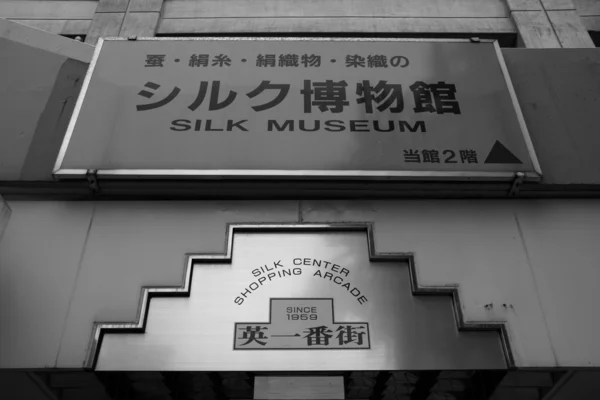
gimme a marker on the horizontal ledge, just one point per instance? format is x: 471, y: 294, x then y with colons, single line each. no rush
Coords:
x: 335, y: 8
x: 59, y: 26
x: 351, y: 16
x: 280, y: 189
x: 591, y: 23
x: 292, y: 175
x: 75, y: 20
x: 343, y: 24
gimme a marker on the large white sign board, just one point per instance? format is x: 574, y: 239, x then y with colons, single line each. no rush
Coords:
x: 288, y: 108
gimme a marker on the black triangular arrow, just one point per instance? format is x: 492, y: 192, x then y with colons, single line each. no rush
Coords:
x: 501, y: 155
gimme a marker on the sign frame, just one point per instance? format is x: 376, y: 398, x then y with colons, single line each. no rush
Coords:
x: 61, y: 173
x: 100, y: 328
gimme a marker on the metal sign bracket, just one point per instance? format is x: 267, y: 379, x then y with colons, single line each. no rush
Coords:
x: 92, y: 178
x: 516, y: 184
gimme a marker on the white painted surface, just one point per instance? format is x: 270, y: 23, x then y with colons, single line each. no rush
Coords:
x: 564, y: 255
x: 25, y: 87
x: 37, y: 75
x: 539, y: 257
x: 39, y: 258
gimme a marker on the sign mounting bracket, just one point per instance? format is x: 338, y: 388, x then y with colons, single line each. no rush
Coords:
x: 92, y: 178
x: 516, y: 184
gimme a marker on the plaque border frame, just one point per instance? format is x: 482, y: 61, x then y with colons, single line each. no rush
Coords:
x: 192, y: 259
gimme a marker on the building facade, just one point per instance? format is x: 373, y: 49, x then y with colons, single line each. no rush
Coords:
x: 126, y: 286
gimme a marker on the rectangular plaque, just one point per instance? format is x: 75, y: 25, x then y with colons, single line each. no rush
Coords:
x: 288, y: 293
x: 249, y: 107
x: 301, y: 324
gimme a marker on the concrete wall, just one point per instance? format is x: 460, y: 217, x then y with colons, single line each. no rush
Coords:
x: 538, y: 23
x: 64, y: 265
